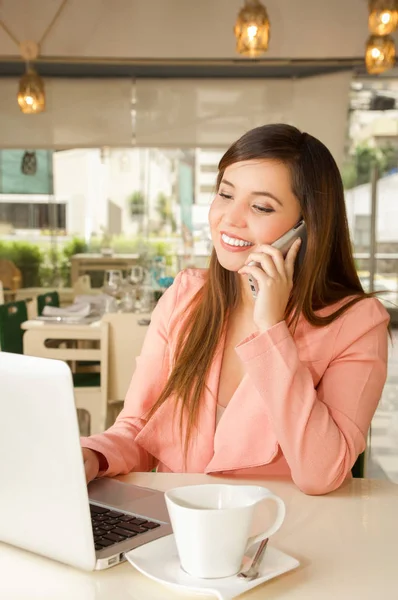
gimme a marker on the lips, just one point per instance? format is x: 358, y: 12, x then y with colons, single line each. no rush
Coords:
x: 235, y: 241
x: 234, y: 244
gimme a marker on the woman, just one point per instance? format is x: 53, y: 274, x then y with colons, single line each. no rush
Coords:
x: 286, y: 384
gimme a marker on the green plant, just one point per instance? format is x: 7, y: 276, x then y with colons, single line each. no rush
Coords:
x: 136, y: 203
x: 94, y: 245
x: 358, y: 169
x: 75, y: 246
x: 51, y: 268
x: 349, y: 175
x: 55, y: 269
x: 147, y: 249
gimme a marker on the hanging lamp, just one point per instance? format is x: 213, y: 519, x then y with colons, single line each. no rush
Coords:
x: 252, y: 29
x: 31, y: 94
x: 383, y: 16
x: 380, y: 54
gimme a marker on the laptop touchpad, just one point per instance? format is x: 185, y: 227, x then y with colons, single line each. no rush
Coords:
x: 117, y: 493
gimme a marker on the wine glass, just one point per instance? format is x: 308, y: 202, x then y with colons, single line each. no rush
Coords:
x: 136, y: 275
x: 112, y: 282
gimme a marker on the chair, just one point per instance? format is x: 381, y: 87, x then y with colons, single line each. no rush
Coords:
x: 12, y: 315
x: 48, y: 299
x: 10, y: 275
x: 52, y: 299
x: 358, y: 470
x: 1, y: 293
x: 126, y: 337
x: 90, y: 389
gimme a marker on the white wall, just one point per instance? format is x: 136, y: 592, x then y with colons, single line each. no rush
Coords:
x: 78, y: 179
x: 88, y: 178
x: 184, y: 29
x: 125, y: 168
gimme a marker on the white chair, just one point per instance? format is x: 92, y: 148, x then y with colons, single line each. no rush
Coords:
x: 31, y: 307
x: 126, y: 337
x: 90, y: 397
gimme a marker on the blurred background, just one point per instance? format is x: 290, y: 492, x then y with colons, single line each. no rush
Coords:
x: 114, y: 115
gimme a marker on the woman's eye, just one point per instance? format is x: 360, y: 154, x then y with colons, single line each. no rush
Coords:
x: 263, y: 209
x: 226, y: 196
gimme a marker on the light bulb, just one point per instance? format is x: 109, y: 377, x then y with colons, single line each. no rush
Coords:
x: 380, y: 54
x: 31, y: 94
x: 252, y: 29
x: 383, y: 16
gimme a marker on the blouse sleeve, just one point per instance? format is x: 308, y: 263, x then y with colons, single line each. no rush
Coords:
x: 117, y: 445
x: 322, y: 430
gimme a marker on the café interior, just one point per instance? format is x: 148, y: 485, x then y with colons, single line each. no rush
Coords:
x: 113, y: 119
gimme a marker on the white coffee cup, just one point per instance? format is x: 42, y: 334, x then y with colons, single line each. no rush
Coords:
x: 211, y: 525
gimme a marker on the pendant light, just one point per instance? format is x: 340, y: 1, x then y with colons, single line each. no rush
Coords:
x: 380, y: 54
x: 383, y: 16
x: 252, y: 29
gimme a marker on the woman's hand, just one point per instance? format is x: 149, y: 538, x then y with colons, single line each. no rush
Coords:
x: 275, y: 282
x: 91, y: 464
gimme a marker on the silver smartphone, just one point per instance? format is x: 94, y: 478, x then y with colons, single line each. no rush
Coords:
x: 283, y: 244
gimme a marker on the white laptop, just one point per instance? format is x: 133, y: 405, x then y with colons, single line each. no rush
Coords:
x: 45, y: 506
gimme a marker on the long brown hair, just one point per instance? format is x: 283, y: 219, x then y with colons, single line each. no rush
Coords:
x: 326, y: 275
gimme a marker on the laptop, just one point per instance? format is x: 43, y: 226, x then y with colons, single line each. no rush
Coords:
x: 45, y: 504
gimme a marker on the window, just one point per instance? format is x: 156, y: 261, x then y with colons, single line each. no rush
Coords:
x: 362, y: 230
x: 26, y: 215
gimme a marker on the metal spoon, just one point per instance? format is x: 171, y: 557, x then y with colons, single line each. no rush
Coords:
x: 253, y: 570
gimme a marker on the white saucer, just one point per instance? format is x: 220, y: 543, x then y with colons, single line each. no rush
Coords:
x: 159, y: 561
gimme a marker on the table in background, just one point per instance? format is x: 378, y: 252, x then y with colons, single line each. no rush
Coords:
x: 66, y: 295
x: 81, y: 263
x: 346, y: 543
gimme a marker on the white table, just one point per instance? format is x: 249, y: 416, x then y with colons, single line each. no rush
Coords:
x: 346, y: 543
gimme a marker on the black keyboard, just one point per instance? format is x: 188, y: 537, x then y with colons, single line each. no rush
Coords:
x: 111, y: 527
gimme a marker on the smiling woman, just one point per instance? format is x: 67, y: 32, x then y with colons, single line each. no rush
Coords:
x: 286, y: 384
x: 249, y: 211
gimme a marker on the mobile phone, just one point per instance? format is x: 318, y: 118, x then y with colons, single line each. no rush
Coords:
x: 283, y: 244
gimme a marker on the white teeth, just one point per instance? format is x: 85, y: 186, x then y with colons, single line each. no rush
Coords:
x: 234, y: 241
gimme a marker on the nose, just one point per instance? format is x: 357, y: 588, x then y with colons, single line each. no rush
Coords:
x: 235, y: 215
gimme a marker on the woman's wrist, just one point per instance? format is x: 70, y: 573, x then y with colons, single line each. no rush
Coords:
x: 102, y: 461
x: 267, y: 326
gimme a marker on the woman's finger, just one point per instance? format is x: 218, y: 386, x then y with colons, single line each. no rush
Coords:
x: 277, y: 257
x: 291, y: 257
x: 266, y: 262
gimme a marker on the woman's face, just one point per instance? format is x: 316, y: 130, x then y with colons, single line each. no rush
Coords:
x: 254, y: 205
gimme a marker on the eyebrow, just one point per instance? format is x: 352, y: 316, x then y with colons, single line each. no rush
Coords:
x: 266, y: 194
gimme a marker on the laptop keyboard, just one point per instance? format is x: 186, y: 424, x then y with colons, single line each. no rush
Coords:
x: 111, y: 527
